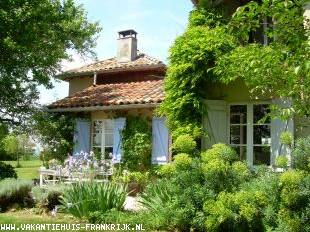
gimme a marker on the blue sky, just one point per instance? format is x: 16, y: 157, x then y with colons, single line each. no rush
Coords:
x: 158, y: 23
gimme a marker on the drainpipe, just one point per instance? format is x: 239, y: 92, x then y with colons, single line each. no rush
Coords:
x: 95, y: 79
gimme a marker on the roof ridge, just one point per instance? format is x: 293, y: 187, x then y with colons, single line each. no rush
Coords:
x: 142, y: 60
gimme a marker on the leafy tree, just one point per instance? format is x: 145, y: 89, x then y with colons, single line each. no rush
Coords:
x: 35, y: 35
x: 17, y: 145
x: 3, y: 133
x: 55, y: 130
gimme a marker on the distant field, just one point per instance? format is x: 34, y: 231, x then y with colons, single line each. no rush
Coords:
x: 28, y: 170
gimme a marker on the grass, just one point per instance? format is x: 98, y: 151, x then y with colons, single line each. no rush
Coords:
x: 23, y: 217
x: 29, y: 169
x: 28, y: 217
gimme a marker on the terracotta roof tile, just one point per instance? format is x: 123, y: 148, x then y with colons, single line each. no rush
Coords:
x: 139, y: 92
x: 142, y: 61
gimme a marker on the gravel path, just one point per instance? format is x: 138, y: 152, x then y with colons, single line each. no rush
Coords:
x: 132, y: 204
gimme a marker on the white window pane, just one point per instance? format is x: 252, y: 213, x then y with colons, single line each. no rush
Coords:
x: 109, y: 140
x: 97, y: 139
x: 108, y: 124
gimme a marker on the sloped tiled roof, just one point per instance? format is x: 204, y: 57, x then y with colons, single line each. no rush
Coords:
x: 139, y: 92
x: 142, y: 61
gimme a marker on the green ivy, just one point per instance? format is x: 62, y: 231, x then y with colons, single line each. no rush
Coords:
x: 137, y: 144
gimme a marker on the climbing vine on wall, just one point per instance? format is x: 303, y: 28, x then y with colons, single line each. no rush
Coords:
x: 191, y: 62
x: 218, y: 48
x: 136, y: 144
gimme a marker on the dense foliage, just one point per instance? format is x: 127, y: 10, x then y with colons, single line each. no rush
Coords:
x: 191, y: 62
x: 136, y: 144
x: 301, y: 154
x: 55, y: 130
x: 220, y: 47
x: 15, y: 192
x: 184, y: 144
x: 216, y: 192
x: 7, y: 171
x: 35, y: 36
x: 281, y: 67
x: 81, y: 200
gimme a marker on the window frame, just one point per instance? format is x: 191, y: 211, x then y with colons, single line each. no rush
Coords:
x: 103, y: 146
x: 250, y: 129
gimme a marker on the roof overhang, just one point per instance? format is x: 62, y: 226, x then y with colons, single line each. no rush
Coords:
x: 103, y: 108
x: 67, y: 76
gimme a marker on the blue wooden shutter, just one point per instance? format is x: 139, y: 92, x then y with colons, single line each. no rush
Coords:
x: 160, y: 145
x: 81, y: 137
x: 277, y: 127
x: 119, y: 124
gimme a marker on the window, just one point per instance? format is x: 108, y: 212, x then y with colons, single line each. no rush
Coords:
x: 238, y: 129
x: 102, y: 136
x: 261, y: 135
x: 260, y: 34
x: 250, y: 132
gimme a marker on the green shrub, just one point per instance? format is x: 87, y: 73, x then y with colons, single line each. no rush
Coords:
x: 15, y: 192
x: 166, y: 170
x: 219, y: 193
x: 238, y: 211
x: 182, y: 160
x: 301, y: 154
x: 290, y: 182
x: 49, y: 197
x: 220, y: 151
x: 82, y: 199
x: 136, y: 181
x: 192, y: 182
x: 136, y: 177
x: 7, y: 171
x: 286, y: 138
x: 184, y: 144
x: 282, y: 161
x: 220, y: 171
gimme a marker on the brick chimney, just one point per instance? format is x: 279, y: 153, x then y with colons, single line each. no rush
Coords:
x: 127, y: 46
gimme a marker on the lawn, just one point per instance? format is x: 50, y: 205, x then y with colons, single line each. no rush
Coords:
x: 29, y: 169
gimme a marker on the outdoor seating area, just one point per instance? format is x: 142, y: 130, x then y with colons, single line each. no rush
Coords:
x: 81, y: 167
